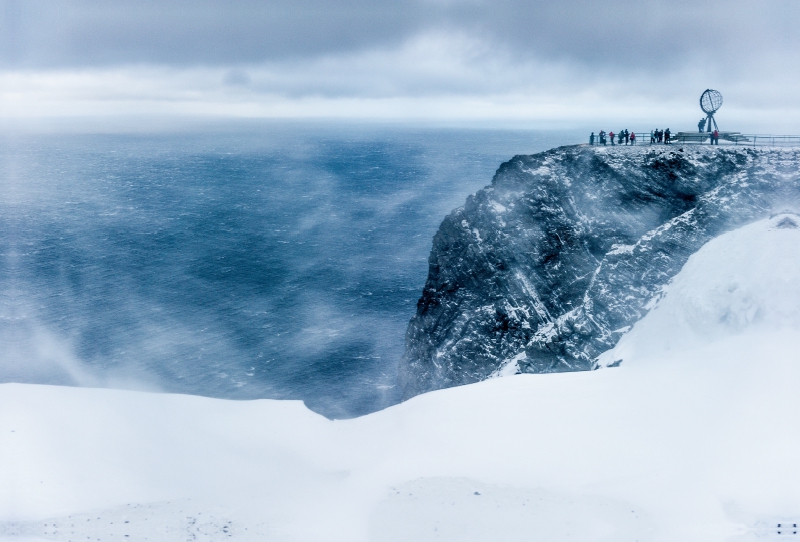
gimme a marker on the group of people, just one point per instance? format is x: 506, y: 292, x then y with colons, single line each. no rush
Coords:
x: 624, y: 136
x: 659, y: 136
x: 628, y: 138
x: 714, y: 135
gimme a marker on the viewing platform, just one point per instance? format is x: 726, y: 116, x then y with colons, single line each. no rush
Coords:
x: 725, y: 139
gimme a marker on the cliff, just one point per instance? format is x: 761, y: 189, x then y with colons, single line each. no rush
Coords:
x: 546, y: 268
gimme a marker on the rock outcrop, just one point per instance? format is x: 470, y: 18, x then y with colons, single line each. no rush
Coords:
x: 548, y: 266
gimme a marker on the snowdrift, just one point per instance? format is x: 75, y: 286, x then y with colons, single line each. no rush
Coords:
x: 693, y: 435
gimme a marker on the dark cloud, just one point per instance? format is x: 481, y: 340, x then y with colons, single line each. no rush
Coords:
x: 180, y: 32
x: 649, y: 35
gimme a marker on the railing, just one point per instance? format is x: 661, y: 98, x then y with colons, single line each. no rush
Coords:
x: 773, y: 140
x: 737, y: 138
x: 703, y: 138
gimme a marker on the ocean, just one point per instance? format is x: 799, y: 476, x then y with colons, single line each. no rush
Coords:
x: 253, y: 260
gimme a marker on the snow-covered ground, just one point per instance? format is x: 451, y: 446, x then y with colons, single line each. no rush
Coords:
x: 694, y: 436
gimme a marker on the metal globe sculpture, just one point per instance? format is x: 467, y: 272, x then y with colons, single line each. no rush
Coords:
x: 710, y: 102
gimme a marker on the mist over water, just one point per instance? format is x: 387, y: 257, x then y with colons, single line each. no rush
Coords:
x: 280, y: 260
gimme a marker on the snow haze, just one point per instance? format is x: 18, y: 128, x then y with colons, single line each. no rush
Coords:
x: 693, y: 436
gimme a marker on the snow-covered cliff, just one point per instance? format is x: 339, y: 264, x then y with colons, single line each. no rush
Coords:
x: 547, y: 267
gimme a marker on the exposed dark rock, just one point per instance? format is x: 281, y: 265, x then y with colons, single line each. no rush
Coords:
x: 548, y: 266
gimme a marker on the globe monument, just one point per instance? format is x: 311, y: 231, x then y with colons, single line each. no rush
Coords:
x: 710, y: 102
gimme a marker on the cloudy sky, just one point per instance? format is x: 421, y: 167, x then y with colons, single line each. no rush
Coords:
x: 556, y: 63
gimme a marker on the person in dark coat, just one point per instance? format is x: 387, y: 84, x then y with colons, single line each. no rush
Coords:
x: 666, y: 136
x: 591, y: 139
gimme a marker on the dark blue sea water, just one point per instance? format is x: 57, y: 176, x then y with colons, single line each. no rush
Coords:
x: 272, y: 260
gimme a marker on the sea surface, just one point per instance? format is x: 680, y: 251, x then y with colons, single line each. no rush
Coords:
x: 271, y: 260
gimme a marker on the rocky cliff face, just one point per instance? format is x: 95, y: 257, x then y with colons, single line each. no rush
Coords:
x: 548, y: 266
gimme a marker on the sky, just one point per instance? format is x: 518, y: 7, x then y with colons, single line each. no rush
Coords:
x: 562, y: 64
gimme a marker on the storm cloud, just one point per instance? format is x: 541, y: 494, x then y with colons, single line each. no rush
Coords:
x: 267, y: 51
x: 40, y: 33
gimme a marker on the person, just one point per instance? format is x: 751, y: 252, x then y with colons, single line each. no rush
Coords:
x: 701, y: 125
x: 603, y: 137
x: 652, y: 136
x: 591, y: 139
x: 611, y: 136
x: 715, y: 137
x: 633, y: 138
x: 621, y: 136
x: 666, y: 136
x: 627, y: 136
